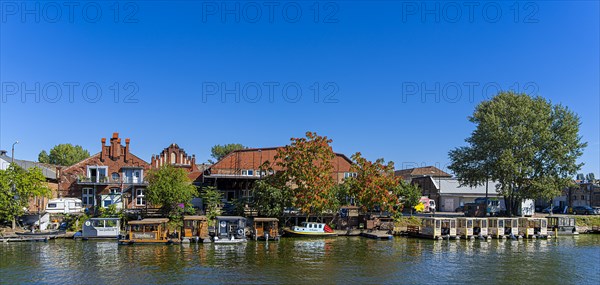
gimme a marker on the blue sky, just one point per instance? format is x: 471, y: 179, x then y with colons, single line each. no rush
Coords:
x: 395, y: 79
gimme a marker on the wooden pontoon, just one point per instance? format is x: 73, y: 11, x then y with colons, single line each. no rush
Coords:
x: 195, y: 228
x: 503, y: 227
x: 561, y: 225
x: 435, y: 228
x: 533, y: 227
x: 265, y: 229
x: 472, y: 227
x: 149, y: 231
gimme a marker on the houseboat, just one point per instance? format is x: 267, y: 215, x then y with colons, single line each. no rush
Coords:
x: 101, y: 228
x: 472, y: 227
x: 435, y: 228
x: 561, y: 225
x: 503, y: 227
x: 265, y: 229
x: 533, y: 227
x: 310, y: 229
x: 149, y: 231
x: 195, y: 228
x: 230, y: 229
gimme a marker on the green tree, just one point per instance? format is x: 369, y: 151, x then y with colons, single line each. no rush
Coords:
x: 590, y: 177
x: 269, y: 199
x: 306, y: 165
x: 220, y: 151
x: 409, y: 194
x: 375, y: 183
x: 211, y: 197
x: 17, y: 187
x: 529, y: 146
x: 64, y: 154
x: 169, y: 186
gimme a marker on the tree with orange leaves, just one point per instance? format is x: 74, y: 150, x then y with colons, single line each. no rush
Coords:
x: 375, y: 183
x: 307, y: 168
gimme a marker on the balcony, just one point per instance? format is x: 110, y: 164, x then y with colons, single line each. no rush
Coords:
x: 103, y: 180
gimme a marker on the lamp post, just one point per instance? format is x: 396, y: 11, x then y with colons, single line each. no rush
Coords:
x: 16, y: 197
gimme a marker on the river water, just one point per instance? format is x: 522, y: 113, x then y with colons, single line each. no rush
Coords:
x: 355, y: 260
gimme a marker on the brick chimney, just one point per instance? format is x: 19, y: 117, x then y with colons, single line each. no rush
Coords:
x: 102, y: 152
x: 115, y: 146
x: 127, y: 140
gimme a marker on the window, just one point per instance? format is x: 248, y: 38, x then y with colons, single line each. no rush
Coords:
x: 114, y: 191
x: 52, y: 205
x: 250, y: 172
x: 140, y: 200
x: 115, y: 176
x: 107, y: 203
x: 582, y: 197
x: 97, y: 173
x: 574, y: 197
x: 350, y: 174
x: 88, y: 196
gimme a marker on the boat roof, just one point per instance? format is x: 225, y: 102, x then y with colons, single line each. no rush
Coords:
x: 266, y: 220
x: 149, y: 221
x: 195, y: 218
x: 229, y: 218
x: 103, y: 219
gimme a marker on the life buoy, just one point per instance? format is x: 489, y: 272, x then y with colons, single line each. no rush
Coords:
x: 240, y: 232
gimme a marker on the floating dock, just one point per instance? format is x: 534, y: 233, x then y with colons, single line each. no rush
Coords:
x: 377, y: 235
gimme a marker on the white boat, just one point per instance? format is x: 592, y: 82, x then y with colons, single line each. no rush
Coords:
x: 230, y: 229
x: 108, y: 228
x: 310, y: 229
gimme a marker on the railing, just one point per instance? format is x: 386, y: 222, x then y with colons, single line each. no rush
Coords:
x: 110, y: 180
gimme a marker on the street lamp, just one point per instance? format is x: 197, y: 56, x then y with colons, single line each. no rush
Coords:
x: 13, y: 152
x: 16, y: 197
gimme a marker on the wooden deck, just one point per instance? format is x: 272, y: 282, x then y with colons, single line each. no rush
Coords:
x: 377, y: 235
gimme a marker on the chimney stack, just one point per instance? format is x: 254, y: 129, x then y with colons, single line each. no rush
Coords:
x: 115, y: 146
x: 127, y: 140
x: 102, y: 153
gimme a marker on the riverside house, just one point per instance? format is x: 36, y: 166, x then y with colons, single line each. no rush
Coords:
x: 112, y: 176
x: 48, y: 170
x: 235, y: 173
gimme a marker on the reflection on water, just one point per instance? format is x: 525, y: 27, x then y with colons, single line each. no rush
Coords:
x: 331, y: 260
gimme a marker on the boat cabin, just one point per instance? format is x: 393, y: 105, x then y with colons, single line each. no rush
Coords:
x: 101, y: 228
x: 561, y: 225
x: 503, y: 227
x: 472, y: 227
x: 266, y: 229
x: 533, y: 227
x: 438, y: 228
x: 480, y: 227
x: 148, y: 231
x: 230, y: 229
x: 195, y: 228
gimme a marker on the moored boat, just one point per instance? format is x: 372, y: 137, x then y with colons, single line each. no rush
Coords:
x: 149, y: 231
x: 561, y: 225
x: 265, y: 229
x: 310, y: 229
x: 101, y: 228
x: 230, y: 229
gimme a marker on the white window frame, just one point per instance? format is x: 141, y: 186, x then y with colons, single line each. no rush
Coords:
x: 139, y: 196
x: 97, y: 167
x: 86, y: 195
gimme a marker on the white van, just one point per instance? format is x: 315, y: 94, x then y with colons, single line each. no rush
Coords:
x: 65, y: 205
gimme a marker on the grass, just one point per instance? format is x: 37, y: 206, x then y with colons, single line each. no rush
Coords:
x: 587, y: 221
x: 407, y: 221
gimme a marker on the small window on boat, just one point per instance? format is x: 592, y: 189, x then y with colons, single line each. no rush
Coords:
x: 77, y: 204
x: 53, y: 205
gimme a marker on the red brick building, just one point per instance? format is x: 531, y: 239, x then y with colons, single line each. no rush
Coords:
x: 112, y: 176
x: 236, y: 172
x: 176, y: 156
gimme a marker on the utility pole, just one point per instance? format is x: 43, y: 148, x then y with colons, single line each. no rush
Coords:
x: 16, y: 197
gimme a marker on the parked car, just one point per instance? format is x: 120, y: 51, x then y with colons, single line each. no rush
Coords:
x: 555, y: 210
x: 597, y: 209
x: 460, y: 209
x: 583, y: 210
